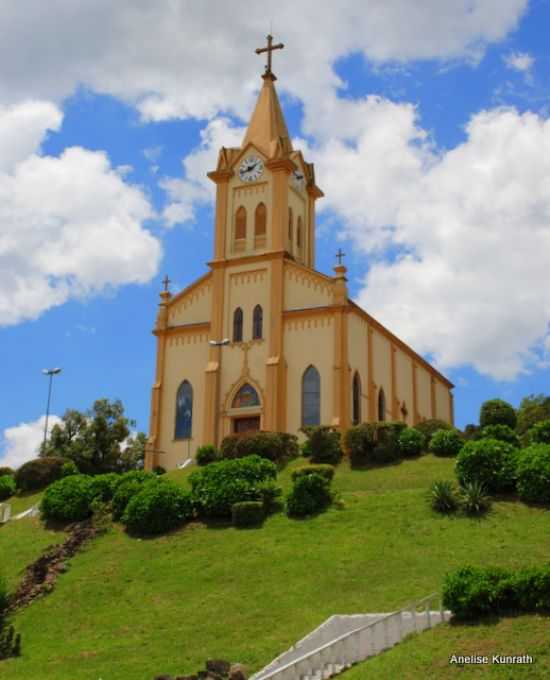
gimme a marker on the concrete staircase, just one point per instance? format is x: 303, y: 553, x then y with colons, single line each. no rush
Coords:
x: 342, y: 641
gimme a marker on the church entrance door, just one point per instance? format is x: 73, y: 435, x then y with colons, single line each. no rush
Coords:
x: 250, y: 424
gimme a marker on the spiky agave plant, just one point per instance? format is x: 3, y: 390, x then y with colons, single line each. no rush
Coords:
x: 442, y: 497
x: 475, y: 500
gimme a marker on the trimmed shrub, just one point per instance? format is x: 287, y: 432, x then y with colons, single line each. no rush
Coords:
x: 431, y: 425
x: 503, y: 433
x: 279, y: 447
x: 68, y: 499
x: 103, y: 486
x: 305, y: 449
x: 374, y: 443
x: 157, y: 508
x: 540, y: 433
x: 471, y: 592
x: 310, y: 494
x: 488, y: 461
x: 387, y: 448
x: 411, y: 442
x: 7, y: 487
x: 269, y: 494
x: 126, y: 487
x: 446, y: 443
x: 442, y: 497
x: 69, y: 468
x: 6, y: 471
x: 206, y: 454
x: 38, y: 473
x: 474, y: 500
x: 533, y: 474
x: 247, y: 513
x: 217, y: 486
x: 326, y: 471
x: 324, y: 444
x: 497, y: 412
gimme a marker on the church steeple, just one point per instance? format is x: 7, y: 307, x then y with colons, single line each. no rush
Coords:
x: 267, y: 127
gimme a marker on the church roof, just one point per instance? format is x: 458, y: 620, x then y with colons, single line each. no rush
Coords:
x: 267, y: 127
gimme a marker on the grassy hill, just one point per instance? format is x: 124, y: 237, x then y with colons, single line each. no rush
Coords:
x: 129, y: 609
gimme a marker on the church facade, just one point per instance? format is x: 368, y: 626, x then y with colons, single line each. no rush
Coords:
x: 263, y: 341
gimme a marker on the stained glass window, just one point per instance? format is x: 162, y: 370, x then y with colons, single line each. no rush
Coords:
x: 246, y: 396
x: 311, y: 397
x: 184, y: 411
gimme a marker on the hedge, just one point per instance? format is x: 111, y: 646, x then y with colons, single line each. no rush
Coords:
x: 126, y: 487
x: 323, y: 444
x: 279, y: 447
x: 374, y: 443
x: 539, y: 433
x: 310, y: 494
x: 411, y: 442
x: 533, y: 474
x: 158, y: 507
x: 206, y: 454
x: 247, y: 513
x: 38, y: 473
x: 503, y: 433
x: 446, y: 443
x: 431, y: 425
x: 490, y: 462
x: 326, y: 471
x: 472, y: 592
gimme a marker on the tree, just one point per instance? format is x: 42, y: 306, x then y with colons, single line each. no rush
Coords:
x: 532, y: 409
x: 497, y: 412
x: 98, y: 440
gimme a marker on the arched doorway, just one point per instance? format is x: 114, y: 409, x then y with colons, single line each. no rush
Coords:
x: 245, y: 410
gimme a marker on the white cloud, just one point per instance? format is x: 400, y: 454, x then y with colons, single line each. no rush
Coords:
x: 22, y: 442
x: 69, y: 226
x: 195, y: 188
x: 472, y: 228
x: 519, y: 61
x: 175, y: 59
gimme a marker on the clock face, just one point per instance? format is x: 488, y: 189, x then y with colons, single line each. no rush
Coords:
x: 298, y: 179
x: 251, y: 169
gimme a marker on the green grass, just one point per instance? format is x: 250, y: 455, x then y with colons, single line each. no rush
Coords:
x: 128, y: 609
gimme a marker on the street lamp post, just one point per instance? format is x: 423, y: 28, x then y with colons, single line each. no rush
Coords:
x: 51, y: 372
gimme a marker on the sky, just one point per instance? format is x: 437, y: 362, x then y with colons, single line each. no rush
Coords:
x: 429, y: 127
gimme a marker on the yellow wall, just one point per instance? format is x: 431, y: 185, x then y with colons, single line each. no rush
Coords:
x: 193, y: 307
x: 357, y: 355
x: 403, y: 368
x: 442, y: 402
x: 423, y: 387
x: 303, y: 288
x: 382, y: 370
x: 308, y: 341
x: 297, y: 201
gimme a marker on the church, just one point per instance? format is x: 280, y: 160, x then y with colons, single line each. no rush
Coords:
x: 264, y: 341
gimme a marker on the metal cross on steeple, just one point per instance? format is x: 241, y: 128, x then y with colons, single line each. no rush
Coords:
x: 340, y: 255
x: 269, y: 49
x: 166, y: 282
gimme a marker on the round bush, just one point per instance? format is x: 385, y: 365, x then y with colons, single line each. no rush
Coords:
x: 247, y: 514
x: 503, y: 433
x: 326, y: 471
x: 6, y: 471
x: 310, y: 494
x: 279, y: 447
x: 540, y: 433
x: 157, y: 508
x: 269, y: 494
x: 103, y: 486
x: 206, y: 454
x: 374, y: 443
x: 69, y: 468
x: 68, y: 499
x: 7, y: 487
x: 126, y: 487
x: 533, y: 473
x: 324, y: 444
x: 38, y: 473
x: 488, y: 461
x: 431, y: 425
x: 446, y: 443
x: 497, y: 412
x: 411, y: 442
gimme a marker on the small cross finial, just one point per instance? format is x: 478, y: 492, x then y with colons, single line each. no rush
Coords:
x: 269, y: 49
x: 166, y: 282
x: 340, y: 255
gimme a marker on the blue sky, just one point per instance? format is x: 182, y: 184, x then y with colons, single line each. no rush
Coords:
x: 430, y: 134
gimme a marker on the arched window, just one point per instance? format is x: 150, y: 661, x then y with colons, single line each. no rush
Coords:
x: 404, y: 411
x: 311, y: 397
x: 356, y: 416
x: 184, y: 411
x: 381, y: 405
x: 257, y: 321
x: 260, y: 219
x: 246, y: 396
x: 290, y: 224
x: 299, y: 232
x: 240, y: 223
x: 238, y: 325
